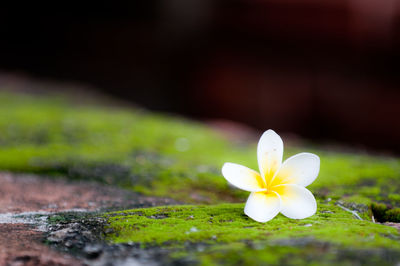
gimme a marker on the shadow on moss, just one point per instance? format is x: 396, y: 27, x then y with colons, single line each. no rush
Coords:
x: 384, y: 213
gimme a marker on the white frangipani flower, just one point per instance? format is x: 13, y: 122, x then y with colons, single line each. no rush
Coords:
x: 280, y: 187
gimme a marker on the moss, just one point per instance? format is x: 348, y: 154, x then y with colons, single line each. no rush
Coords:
x: 361, y: 200
x: 225, y: 235
x: 393, y: 215
x: 306, y: 254
x: 227, y: 223
x: 379, y: 211
x: 127, y: 147
x: 172, y: 157
x: 161, y: 155
x: 241, y: 254
x: 384, y: 213
x: 70, y: 217
x: 394, y: 198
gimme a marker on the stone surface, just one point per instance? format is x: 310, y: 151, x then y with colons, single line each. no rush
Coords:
x: 73, y: 167
x: 27, y: 200
x: 20, y: 244
x: 30, y: 193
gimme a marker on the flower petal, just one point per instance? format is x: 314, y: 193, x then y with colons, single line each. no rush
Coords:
x: 242, y: 177
x: 301, y: 169
x: 262, y: 207
x: 297, y: 201
x: 269, y: 154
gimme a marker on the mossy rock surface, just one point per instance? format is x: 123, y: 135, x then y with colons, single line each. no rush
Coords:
x: 226, y: 223
x: 167, y: 156
x: 223, y: 234
x: 162, y: 155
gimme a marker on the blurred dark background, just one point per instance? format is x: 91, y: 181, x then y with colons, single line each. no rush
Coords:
x: 326, y: 70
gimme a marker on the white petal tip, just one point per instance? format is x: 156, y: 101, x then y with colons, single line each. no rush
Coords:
x: 270, y: 132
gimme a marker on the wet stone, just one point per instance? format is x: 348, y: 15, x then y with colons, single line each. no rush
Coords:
x: 92, y: 251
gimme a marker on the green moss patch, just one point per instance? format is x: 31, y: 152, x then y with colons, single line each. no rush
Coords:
x: 162, y: 155
x: 384, y: 213
x: 167, y: 156
x: 223, y: 234
x: 227, y: 223
x: 304, y: 253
